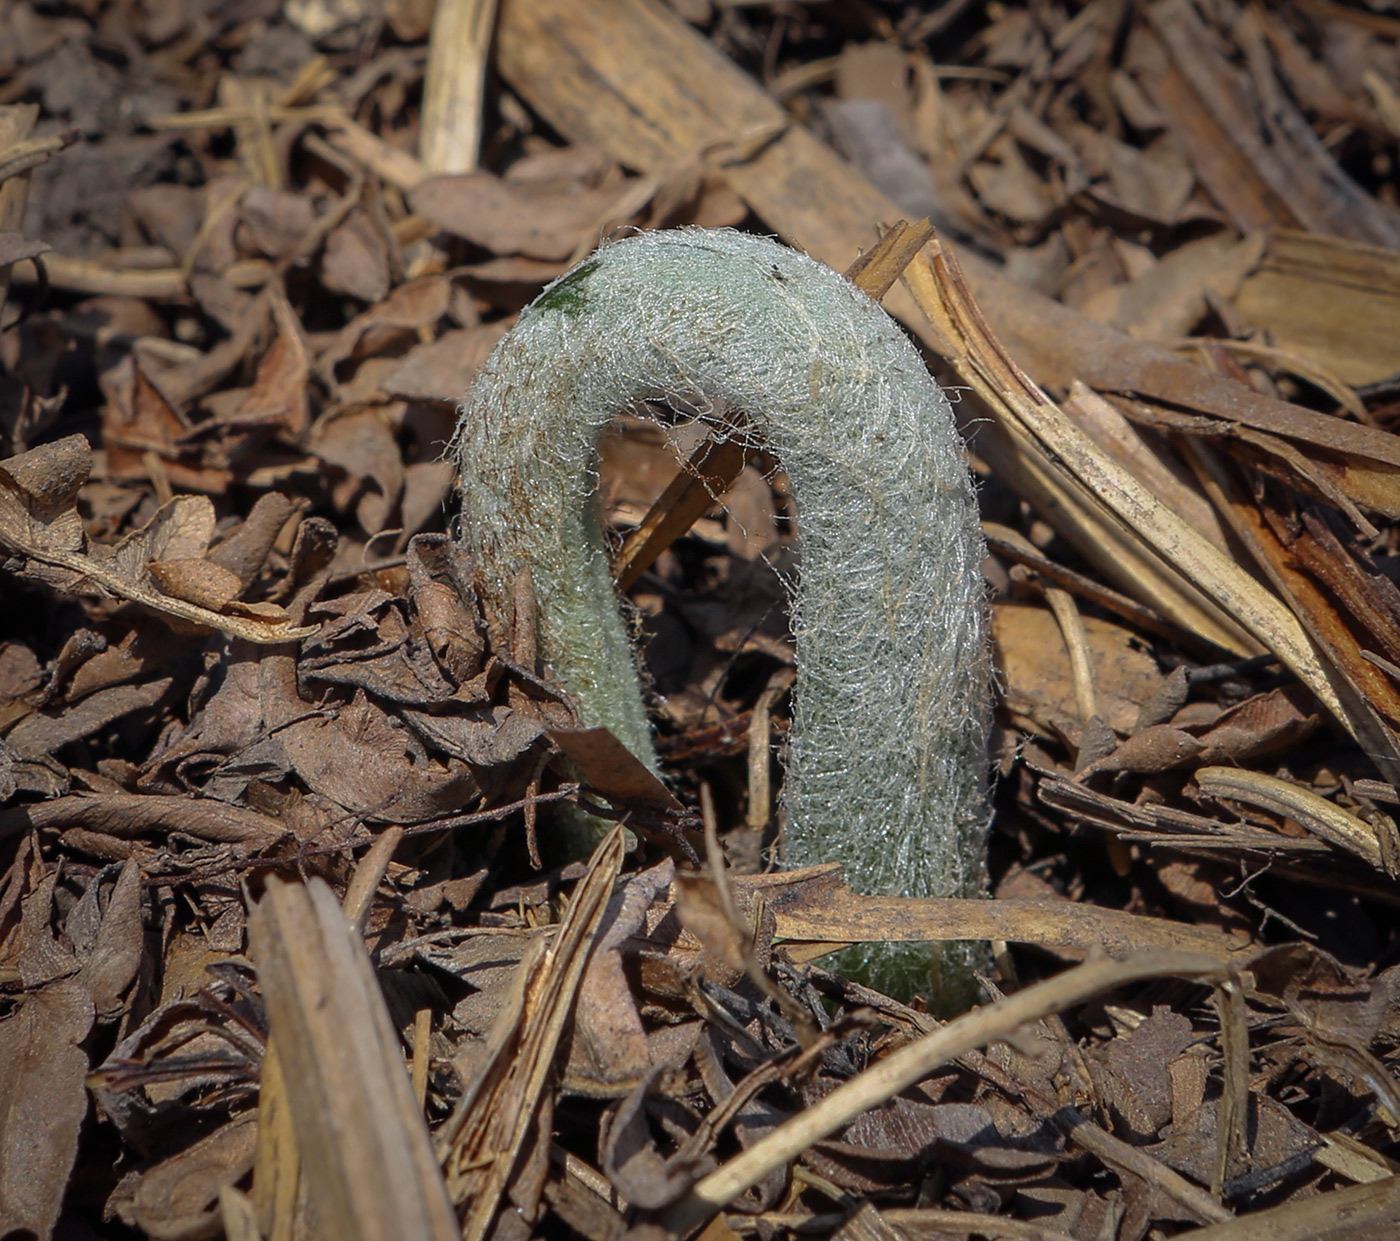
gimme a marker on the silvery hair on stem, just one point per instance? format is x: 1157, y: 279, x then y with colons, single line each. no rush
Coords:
x: 886, y: 763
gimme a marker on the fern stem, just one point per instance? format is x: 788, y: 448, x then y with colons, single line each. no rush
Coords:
x: 887, y: 759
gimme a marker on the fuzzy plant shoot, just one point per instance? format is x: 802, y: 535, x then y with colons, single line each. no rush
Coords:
x: 886, y: 761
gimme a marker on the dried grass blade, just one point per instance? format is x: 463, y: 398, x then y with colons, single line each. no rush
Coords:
x: 877, y: 271
x: 912, y: 1063
x: 1029, y: 469
x: 482, y: 1139
x: 708, y: 474
x: 1313, y: 812
x: 276, y: 1164
x: 1357, y: 1211
x: 982, y: 362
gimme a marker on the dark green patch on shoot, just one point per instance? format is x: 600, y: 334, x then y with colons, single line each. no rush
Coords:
x: 567, y: 294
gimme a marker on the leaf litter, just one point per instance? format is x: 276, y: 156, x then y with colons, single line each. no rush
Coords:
x: 260, y: 741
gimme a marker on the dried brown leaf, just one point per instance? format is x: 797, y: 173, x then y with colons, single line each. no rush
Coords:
x: 1158, y: 748
x: 392, y: 323
x: 43, y: 1100
x: 891, y: 1142
x: 445, y: 369
x: 602, y: 760
x: 1260, y: 727
x: 277, y: 220
x: 360, y: 442
x: 541, y: 220
x: 1191, y: 1144
x: 1170, y: 298
x: 1148, y: 187
x: 1007, y: 185
x: 196, y: 580
x: 451, y: 630
x: 60, y: 555
x: 637, y: 1170
x: 178, y: 1199
x: 138, y: 418
x: 1035, y: 669
x: 702, y: 912
x: 609, y: 1053
x: 113, y: 959
x: 279, y: 395
x: 359, y: 759
x: 20, y: 673
x: 1133, y: 1074
x: 244, y: 552
x: 44, y: 732
x: 129, y: 815
x: 356, y: 260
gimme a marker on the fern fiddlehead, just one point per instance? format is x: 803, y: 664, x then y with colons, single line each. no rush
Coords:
x: 887, y: 758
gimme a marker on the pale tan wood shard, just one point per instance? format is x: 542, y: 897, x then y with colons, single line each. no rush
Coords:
x: 1336, y: 302
x: 364, y: 1147
x: 458, y: 53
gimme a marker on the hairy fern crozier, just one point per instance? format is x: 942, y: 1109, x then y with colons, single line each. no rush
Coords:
x: 886, y: 765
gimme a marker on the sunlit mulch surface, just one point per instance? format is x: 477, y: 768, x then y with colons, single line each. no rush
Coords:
x: 287, y: 806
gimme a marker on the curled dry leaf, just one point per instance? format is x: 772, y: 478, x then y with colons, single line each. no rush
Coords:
x: 608, y: 1053
x: 541, y: 220
x: 113, y: 957
x: 131, y: 815
x: 183, y: 1064
x: 1262, y: 725
x: 1160, y: 747
x: 140, y: 419
x: 278, y: 397
x: 42, y: 1066
x: 634, y: 1166
x: 42, y: 1103
x: 365, y: 760
x: 178, y: 1199
x: 39, y: 524
x: 44, y: 732
x: 1133, y: 1073
x: 16, y: 247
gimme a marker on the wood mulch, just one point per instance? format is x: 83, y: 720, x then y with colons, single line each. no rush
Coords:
x: 294, y: 939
